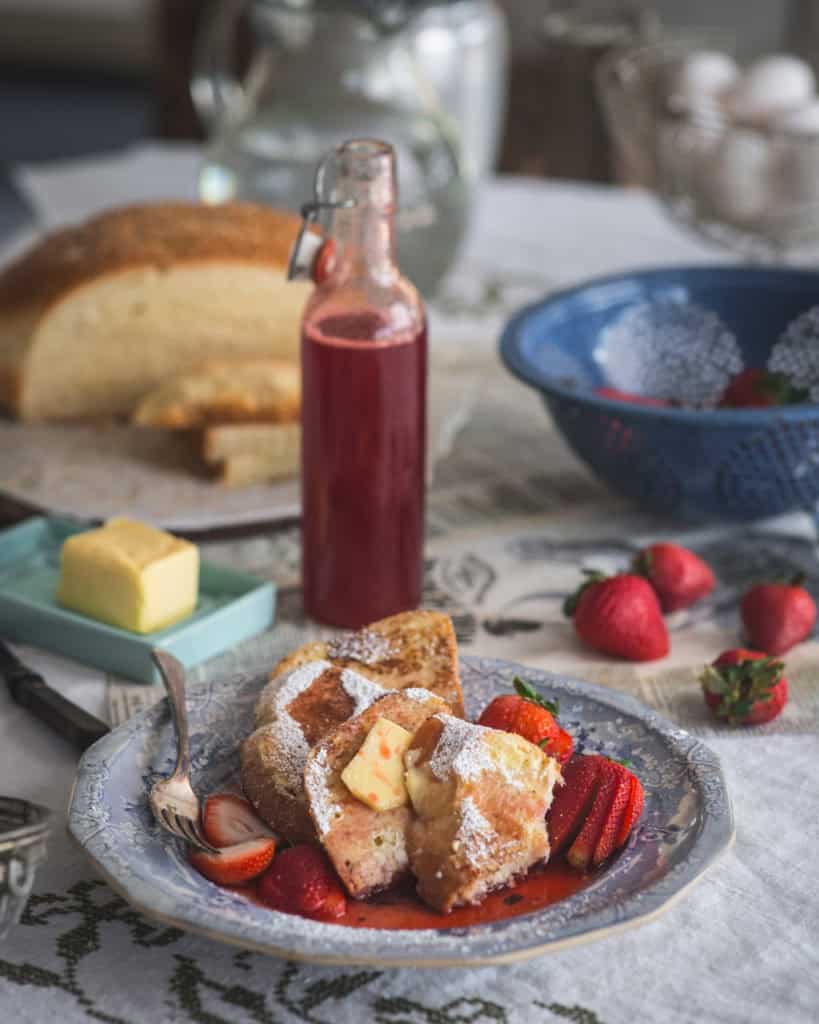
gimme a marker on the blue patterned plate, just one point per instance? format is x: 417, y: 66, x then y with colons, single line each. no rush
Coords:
x: 686, y: 825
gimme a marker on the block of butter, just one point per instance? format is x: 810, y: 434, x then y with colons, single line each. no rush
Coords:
x: 376, y: 773
x: 129, y: 575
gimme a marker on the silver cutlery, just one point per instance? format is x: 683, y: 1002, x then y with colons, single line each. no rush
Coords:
x: 173, y: 801
x: 29, y: 690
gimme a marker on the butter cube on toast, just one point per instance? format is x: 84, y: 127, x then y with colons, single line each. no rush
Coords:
x: 368, y: 847
x: 376, y: 773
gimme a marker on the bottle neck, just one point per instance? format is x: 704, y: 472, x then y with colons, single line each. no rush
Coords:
x: 366, y: 195
x: 365, y: 244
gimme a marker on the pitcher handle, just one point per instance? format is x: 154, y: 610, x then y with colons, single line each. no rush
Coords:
x: 214, y: 87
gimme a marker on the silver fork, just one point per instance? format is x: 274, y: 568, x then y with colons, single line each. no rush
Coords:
x: 173, y: 801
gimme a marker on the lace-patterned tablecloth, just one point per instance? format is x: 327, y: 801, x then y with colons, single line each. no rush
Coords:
x: 512, y: 520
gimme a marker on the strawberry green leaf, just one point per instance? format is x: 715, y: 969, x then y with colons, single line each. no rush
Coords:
x: 621, y: 760
x: 523, y: 689
x: 741, y: 686
x: 570, y: 604
x: 641, y: 564
x: 777, y: 387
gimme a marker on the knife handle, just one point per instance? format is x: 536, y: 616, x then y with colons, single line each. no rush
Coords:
x: 31, y: 691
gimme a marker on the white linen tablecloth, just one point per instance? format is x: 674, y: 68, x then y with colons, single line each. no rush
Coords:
x: 741, y: 947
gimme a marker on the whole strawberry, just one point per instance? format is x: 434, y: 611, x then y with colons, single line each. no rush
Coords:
x: 756, y: 388
x: 531, y: 716
x: 302, y: 881
x: 777, y: 616
x: 679, y: 577
x: 744, y: 687
x: 619, y: 615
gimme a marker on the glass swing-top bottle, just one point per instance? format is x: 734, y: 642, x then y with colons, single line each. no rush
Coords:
x: 364, y: 366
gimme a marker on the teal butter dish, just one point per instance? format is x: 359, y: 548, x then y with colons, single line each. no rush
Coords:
x: 232, y: 606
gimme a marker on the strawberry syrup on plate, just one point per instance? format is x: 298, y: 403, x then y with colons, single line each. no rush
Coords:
x: 400, y: 908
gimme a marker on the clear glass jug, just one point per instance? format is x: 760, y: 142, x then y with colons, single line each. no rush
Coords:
x: 321, y: 72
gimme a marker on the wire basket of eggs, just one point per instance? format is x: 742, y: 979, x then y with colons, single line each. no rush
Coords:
x: 732, y: 152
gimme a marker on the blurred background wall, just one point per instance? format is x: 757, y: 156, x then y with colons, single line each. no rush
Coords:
x: 84, y: 75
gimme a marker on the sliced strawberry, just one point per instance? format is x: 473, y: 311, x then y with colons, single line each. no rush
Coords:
x: 302, y: 881
x: 634, y: 808
x: 605, y: 844
x: 572, y: 800
x: 582, y: 849
x: 235, y: 864
x: 228, y: 819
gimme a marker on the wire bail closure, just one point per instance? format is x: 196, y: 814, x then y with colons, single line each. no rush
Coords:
x: 308, y: 244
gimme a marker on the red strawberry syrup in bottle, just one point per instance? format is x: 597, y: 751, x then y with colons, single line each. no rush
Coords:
x: 364, y: 365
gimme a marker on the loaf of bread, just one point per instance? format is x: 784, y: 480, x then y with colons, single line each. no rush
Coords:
x: 95, y: 316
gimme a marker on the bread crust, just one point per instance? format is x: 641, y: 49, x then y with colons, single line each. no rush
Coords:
x: 151, y: 234
x: 273, y: 781
x: 423, y: 652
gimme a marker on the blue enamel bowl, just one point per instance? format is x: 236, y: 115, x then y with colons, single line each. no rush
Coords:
x: 703, y: 465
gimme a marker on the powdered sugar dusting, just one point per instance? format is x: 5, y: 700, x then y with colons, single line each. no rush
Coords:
x: 322, y: 806
x: 365, y: 646
x: 418, y: 694
x: 290, y: 746
x: 475, y: 836
x: 460, y: 749
x: 361, y: 691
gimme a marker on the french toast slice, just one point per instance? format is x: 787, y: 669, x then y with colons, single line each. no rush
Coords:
x: 224, y: 391
x: 368, y: 848
x: 416, y: 648
x: 480, y: 798
x: 293, y: 713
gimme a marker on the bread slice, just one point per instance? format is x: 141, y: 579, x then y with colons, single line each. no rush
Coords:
x: 225, y: 391
x: 292, y: 714
x: 416, y: 648
x: 252, y: 453
x: 94, y: 316
x: 480, y: 798
x: 368, y: 848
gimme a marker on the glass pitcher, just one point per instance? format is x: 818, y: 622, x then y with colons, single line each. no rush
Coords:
x: 321, y: 72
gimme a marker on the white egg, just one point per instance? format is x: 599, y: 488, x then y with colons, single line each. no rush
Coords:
x: 706, y: 74
x: 800, y: 121
x: 772, y: 85
x: 798, y: 184
x: 735, y: 178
